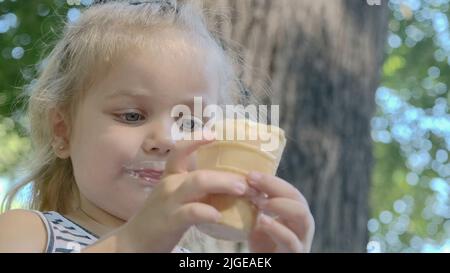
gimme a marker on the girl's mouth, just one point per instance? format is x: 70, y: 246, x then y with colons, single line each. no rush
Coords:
x: 149, y: 177
x: 148, y: 173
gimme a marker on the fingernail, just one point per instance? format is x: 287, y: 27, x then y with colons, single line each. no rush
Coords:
x: 218, y: 216
x: 255, y: 176
x: 251, y: 182
x: 252, y: 192
x: 240, y: 187
x: 265, y: 220
x: 262, y: 202
x: 259, y: 201
x: 208, y: 135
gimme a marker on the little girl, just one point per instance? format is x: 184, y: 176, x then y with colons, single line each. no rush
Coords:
x: 106, y: 172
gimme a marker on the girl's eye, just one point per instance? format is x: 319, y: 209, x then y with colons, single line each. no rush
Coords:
x: 189, y: 123
x: 131, y: 116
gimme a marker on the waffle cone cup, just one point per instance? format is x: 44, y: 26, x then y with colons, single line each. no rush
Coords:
x: 239, y: 149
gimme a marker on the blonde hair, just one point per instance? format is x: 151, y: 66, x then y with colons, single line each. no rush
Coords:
x: 101, y: 34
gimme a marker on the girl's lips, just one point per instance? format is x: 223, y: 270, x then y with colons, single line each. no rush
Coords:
x: 150, y: 173
x: 149, y: 177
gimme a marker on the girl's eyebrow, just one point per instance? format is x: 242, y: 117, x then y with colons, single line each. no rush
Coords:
x: 126, y: 93
x: 138, y: 94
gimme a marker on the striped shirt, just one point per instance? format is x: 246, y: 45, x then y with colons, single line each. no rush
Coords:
x: 66, y: 236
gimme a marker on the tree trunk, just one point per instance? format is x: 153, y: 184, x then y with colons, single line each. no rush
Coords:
x: 323, y: 60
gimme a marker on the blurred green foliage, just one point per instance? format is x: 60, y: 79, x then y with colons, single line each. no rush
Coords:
x: 27, y: 30
x: 410, y: 191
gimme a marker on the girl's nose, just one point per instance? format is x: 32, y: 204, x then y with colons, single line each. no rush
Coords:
x: 159, y: 147
x: 159, y: 141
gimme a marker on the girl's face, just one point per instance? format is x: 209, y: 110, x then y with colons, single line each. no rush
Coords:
x: 125, y: 118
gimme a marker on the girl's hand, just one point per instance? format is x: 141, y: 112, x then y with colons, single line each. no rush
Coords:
x: 292, y: 230
x: 173, y: 206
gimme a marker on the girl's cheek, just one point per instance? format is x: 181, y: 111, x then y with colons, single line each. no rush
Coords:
x: 122, y: 145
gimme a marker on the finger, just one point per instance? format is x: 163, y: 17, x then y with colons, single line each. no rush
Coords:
x: 196, y: 213
x: 296, y: 215
x: 201, y: 183
x: 285, y: 239
x: 274, y: 186
x: 178, y: 160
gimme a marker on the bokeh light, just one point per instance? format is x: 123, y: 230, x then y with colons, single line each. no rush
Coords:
x: 413, y: 119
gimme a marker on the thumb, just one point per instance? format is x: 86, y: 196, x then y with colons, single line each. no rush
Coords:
x: 178, y: 160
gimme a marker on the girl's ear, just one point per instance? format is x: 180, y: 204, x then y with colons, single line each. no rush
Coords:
x: 60, y: 133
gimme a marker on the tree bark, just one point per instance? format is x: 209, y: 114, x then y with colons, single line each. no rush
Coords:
x: 322, y: 60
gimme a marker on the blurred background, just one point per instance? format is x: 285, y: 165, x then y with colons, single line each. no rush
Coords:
x: 409, y: 128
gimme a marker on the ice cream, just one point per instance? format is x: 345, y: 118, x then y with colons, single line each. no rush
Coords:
x: 241, y: 146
